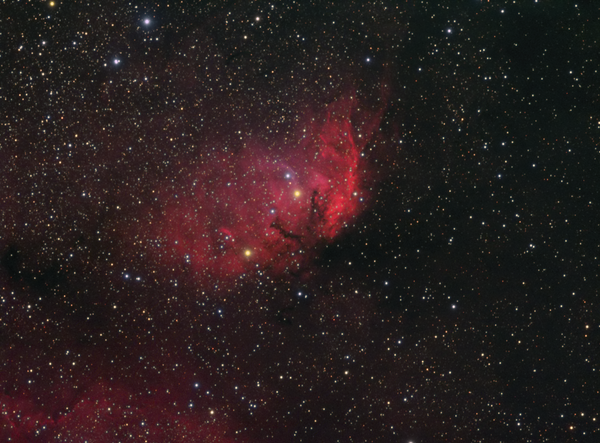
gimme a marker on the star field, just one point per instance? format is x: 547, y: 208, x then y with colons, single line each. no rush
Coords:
x: 299, y: 221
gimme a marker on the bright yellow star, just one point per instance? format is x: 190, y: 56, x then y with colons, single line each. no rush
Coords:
x: 248, y: 252
x: 297, y: 193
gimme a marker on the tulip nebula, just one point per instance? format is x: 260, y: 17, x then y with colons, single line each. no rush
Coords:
x: 271, y: 204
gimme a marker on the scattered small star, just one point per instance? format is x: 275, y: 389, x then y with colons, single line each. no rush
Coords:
x: 248, y: 223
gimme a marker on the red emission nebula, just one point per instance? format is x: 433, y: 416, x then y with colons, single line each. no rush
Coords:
x: 262, y: 208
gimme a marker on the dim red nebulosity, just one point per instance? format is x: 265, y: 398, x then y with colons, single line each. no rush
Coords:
x: 114, y: 328
x: 261, y: 211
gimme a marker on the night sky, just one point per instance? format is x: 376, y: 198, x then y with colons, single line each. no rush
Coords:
x: 296, y: 221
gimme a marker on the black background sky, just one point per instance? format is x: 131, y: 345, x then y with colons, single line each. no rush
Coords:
x: 413, y: 191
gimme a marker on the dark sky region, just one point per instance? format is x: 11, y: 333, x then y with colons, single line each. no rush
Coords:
x: 296, y: 221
